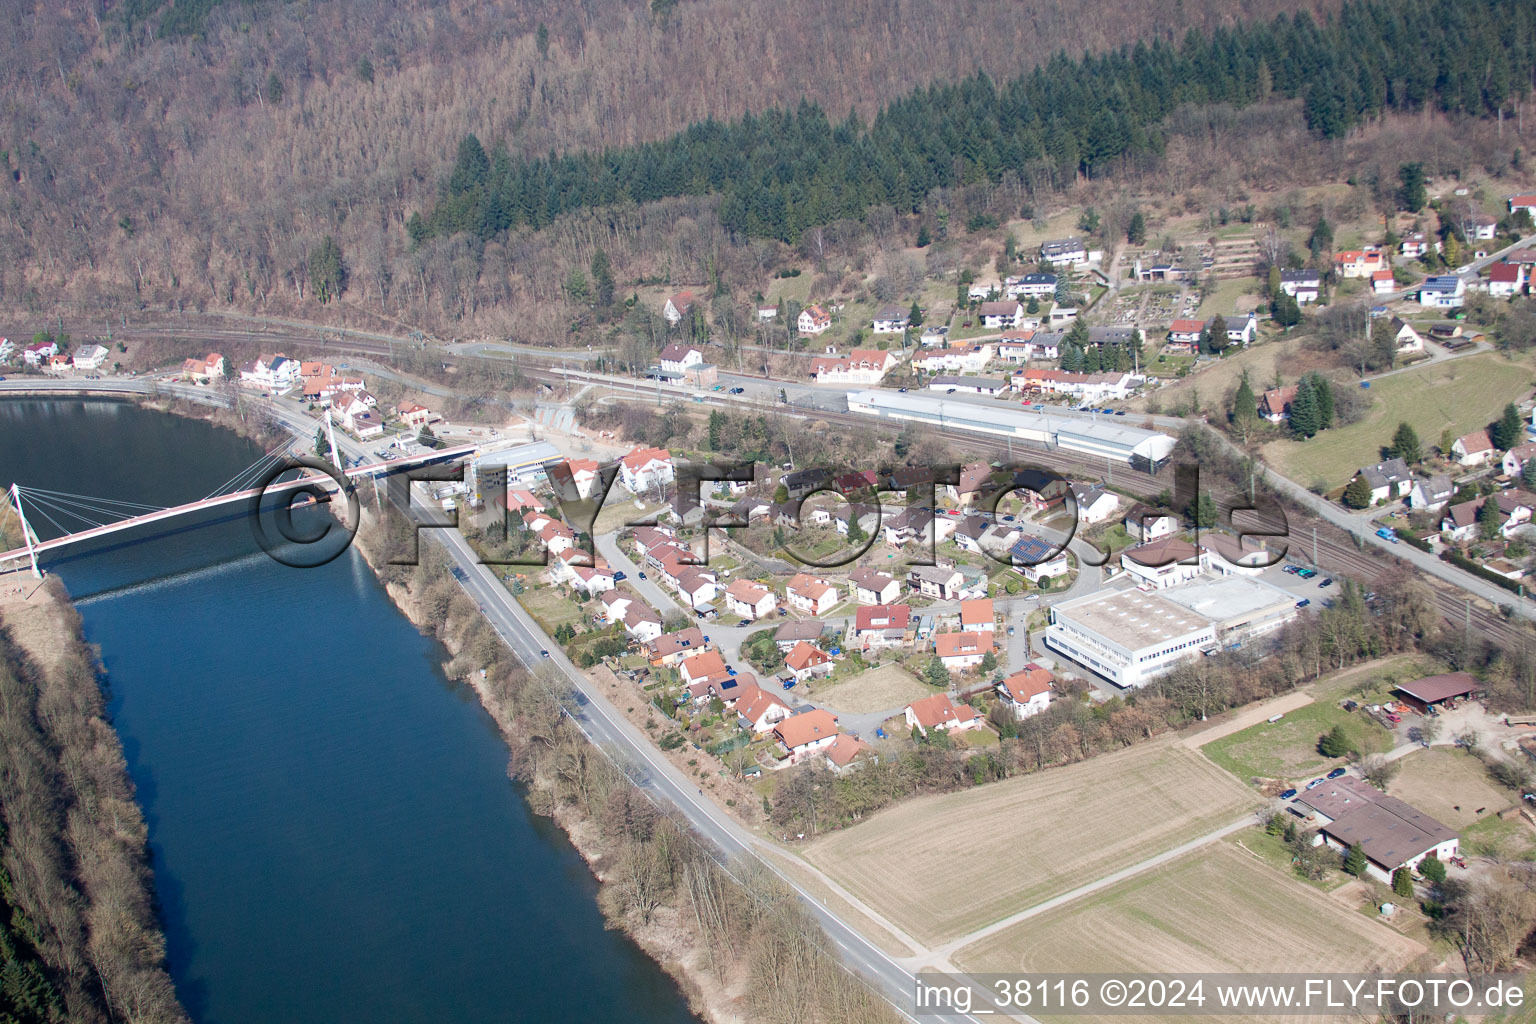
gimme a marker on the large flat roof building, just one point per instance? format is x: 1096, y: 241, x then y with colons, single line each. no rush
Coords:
x: 1143, y: 449
x: 1131, y: 636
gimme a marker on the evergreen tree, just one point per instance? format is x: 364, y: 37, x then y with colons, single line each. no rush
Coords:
x: 915, y: 315
x: 1354, y: 860
x: 1528, y: 474
x: 935, y: 673
x: 1089, y: 221
x: 1272, y: 287
x: 924, y: 237
x: 1033, y: 306
x: 1064, y: 296
x: 1320, y: 241
x: 1432, y: 868
x: 602, y: 279
x: 1405, y: 444
x: 1136, y: 231
x: 1304, y: 420
x: 716, y: 429
x: 1077, y: 334
x: 1245, y: 409
x: 274, y: 88
x: 1322, y: 393
x: 1334, y: 743
x: 1358, y: 493
x: 1488, y: 518
x: 1285, y: 310
x: 365, y: 69
x: 1411, y: 194
x: 1509, y: 430
x: 327, y: 271
x: 322, y: 443
x: 1202, y: 511
x: 1402, y: 883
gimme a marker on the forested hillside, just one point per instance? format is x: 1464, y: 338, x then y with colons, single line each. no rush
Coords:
x: 787, y: 171
x: 198, y: 152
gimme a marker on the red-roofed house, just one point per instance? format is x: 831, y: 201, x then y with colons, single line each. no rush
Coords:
x: 1525, y: 202
x: 846, y: 752
x: 677, y: 307
x: 1505, y: 279
x: 1382, y: 282
x: 807, y: 661
x: 750, y: 600
x: 414, y: 415
x: 702, y: 666
x: 1358, y: 262
x: 1473, y: 449
x: 1184, y: 337
x: 760, y: 710
x: 1275, y: 405
x: 939, y: 712
x: 882, y: 625
x: 645, y: 469
x: 961, y: 651
x: 806, y: 733
x: 811, y: 594
x: 977, y: 616
x: 813, y: 321
x: 1028, y: 692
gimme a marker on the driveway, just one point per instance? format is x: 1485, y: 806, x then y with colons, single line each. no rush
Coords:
x: 657, y: 598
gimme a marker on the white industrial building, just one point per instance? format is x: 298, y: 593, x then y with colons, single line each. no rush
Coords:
x: 522, y: 465
x: 1143, y: 449
x: 1131, y: 636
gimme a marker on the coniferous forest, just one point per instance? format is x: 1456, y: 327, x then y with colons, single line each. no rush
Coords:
x: 783, y: 171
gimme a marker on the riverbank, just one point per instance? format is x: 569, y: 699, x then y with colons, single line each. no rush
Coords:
x: 245, y: 419
x: 741, y: 948
x: 76, y: 872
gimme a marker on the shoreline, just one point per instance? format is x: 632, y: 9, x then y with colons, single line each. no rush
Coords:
x: 90, y: 906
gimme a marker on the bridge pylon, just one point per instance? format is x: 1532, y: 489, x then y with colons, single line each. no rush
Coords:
x: 26, y: 529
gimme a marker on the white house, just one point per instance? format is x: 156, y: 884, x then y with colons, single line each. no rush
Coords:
x: 1445, y: 291
x: 1064, y: 252
x: 677, y: 358
x: 1525, y: 202
x: 39, y: 352
x: 1001, y: 315
x: 1027, y: 692
x: 1094, y: 504
x: 813, y: 320
x: 806, y: 733
x: 645, y: 469
x: 870, y: 586
x: 811, y: 594
x: 890, y: 320
x: 961, y: 651
x: 677, y: 307
x: 939, y: 712
x: 1504, y: 279
x: 955, y: 359
x: 861, y: 366
x: 1407, y: 339
x: 1382, y: 282
x: 1473, y: 449
x: 1030, y: 286
x: 761, y: 710
x: 1241, y: 332
x: 1164, y: 563
x: 1431, y: 493
x: 750, y: 600
x: 1516, y: 458
x: 276, y: 373
x: 807, y: 661
x: 978, y: 616
x: 1359, y: 262
x: 1302, y: 285
x: 1145, y: 524
x: 1388, y: 480
x: 1413, y: 245
x: 90, y: 358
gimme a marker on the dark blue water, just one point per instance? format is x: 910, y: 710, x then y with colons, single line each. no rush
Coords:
x: 334, y: 834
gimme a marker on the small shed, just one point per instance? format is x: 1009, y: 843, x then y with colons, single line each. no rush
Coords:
x: 1431, y: 691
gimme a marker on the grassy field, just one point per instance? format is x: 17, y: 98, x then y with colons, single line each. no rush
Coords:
x: 1449, y: 785
x: 549, y: 607
x: 1460, y: 394
x: 1287, y: 749
x: 1238, y: 293
x: 943, y: 866
x: 889, y: 686
x: 1216, y: 910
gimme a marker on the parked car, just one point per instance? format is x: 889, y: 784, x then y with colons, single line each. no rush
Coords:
x: 642, y: 575
x: 1387, y: 533
x: 1315, y: 783
x: 1293, y: 569
x: 950, y: 391
x: 1119, y: 412
x: 620, y: 575
x: 1336, y: 773
x: 1287, y: 794
x: 901, y: 390
x: 736, y: 391
x: 1303, y: 602
x: 1327, y: 582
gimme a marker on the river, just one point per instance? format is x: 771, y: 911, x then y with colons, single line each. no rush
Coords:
x: 333, y: 833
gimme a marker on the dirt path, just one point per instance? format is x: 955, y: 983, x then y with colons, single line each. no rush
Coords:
x: 1260, y: 712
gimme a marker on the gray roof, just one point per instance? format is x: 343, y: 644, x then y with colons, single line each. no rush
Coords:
x: 1385, y: 474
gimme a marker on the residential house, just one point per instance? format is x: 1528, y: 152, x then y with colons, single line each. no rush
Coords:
x: 1145, y: 523
x: 1515, y: 508
x: 870, y: 586
x: 1460, y: 520
x: 1516, y: 457
x: 807, y: 661
x: 1473, y: 449
x: 645, y: 469
x: 847, y: 752
x: 1523, y: 202
x: 760, y: 710
x: 1164, y: 563
x: 1088, y: 388
x: 1388, y: 480
x: 1406, y: 338
x: 882, y: 625
x: 1030, y: 286
x: 939, y: 712
x: 592, y: 581
x: 1275, y: 404
x: 1184, y: 337
x: 1382, y: 282
x: 795, y: 631
x: 750, y: 600
x: 1504, y: 280
x: 961, y: 651
x: 955, y: 359
x: 861, y: 366
x: 1064, y: 252
x: 1227, y: 555
x: 1480, y: 227
x: 811, y: 594
x: 938, y: 582
x: 670, y: 648
x: 1027, y: 692
x: 356, y: 414
x: 1414, y: 245
x: 1431, y: 493
x: 1241, y: 332
x: 813, y: 320
x: 806, y: 733
x: 1357, y: 262
x: 890, y: 320
x: 60, y: 364
x: 677, y: 307
x: 7, y: 349
x: 415, y: 416
x: 1094, y: 504
x: 1302, y: 285
x: 978, y: 616
x: 702, y: 665
x: 765, y: 312
x: 640, y: 621
x: 39, y: 352
x: 90, y: 358
x: 980, y: 291
x: 276, y: 373
x: 696, y: 587
x: 1039, y: 561
x: 1444, y: 291
x: 978, y: 536
x: 1001, y: 315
